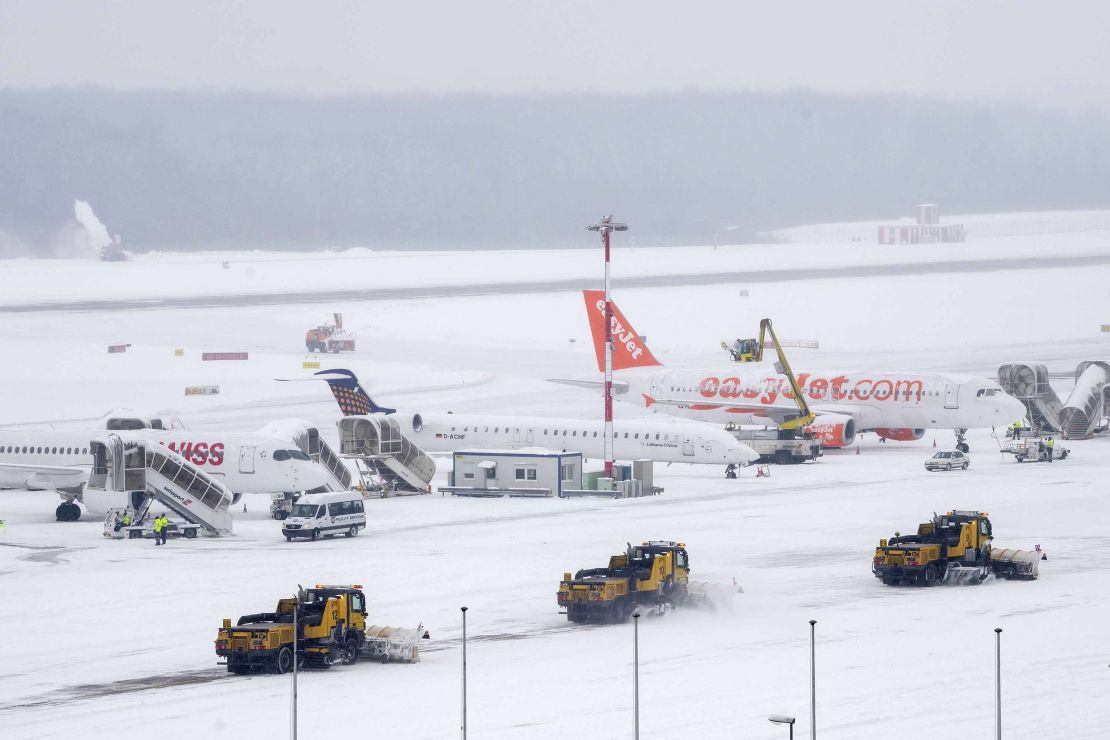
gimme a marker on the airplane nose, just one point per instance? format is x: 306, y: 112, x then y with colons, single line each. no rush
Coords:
x: 744, y: 455
x: 1012, y: 409
x: 312, y: 476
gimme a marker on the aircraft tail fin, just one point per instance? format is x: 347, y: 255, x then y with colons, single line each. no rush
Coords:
x: 629, y: 349
x: 352, y: 398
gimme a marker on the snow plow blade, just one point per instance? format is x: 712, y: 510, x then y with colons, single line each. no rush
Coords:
x: 394, y: 644
x: 1019, y: 565
x: 965, y: 575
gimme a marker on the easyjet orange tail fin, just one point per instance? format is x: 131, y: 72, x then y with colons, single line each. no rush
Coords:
x: 629, y: 349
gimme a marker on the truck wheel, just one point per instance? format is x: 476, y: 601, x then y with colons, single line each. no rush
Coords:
x: 620, y: 613
x: 288, y: 538
x: 351, y: 532
x: 932, y: 575
x: 782, y: 457
x: 190, y: 533
x: 350, y: 649
x: 315, y: 535
x: 280, y: 515
x: 283, y: 663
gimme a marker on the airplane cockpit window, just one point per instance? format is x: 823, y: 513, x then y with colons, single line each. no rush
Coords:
x: 156, y: 424
x: 280, y: 455
x: 298, y: 455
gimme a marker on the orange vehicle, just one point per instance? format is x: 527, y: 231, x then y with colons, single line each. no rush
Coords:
x: 330, y: 337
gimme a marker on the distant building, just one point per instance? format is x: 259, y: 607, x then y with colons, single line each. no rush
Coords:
x: 927, y: 230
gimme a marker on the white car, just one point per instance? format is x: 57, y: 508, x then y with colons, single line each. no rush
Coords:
x: 948, y: 460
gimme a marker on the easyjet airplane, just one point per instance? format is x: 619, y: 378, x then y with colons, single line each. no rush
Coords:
x: 898, y: 406
x: 57, y: 460
x: 662, y: 440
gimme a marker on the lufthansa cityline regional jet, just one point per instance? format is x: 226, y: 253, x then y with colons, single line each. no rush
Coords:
x: 898, y: 406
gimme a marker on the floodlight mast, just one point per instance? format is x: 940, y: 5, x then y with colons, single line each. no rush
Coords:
x: 607, y: 226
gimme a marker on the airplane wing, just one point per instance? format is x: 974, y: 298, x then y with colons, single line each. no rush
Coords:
x: 619, y: 386
x: 42, y: 469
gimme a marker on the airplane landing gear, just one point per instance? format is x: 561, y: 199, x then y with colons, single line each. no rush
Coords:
x: 730, y: 470
x: 961, y: 441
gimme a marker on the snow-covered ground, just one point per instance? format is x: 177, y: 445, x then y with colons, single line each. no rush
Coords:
x: 222, y: 273
x: 114, y: 638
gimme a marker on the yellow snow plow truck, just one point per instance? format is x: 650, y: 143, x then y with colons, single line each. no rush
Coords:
x: 651, y: 576
x: 953, y: 548
x: 330, y: 627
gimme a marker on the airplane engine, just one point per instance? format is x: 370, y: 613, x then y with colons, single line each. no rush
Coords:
x: 834, y: 430
x: 901, y: 435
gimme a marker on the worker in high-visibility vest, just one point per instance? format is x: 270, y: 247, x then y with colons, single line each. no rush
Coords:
x: 1048, y: 446
x: 1017, y: 429
x: 126, y: 521
x: 161, y: 525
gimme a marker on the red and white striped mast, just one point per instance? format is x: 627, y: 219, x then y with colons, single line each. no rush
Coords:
x: 607, y: 226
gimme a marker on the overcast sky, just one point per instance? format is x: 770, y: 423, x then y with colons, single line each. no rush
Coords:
x: 1051, y: 53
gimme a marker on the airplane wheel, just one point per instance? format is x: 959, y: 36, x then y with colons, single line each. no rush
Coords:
x: 963, y: 447
x: 67, y: 511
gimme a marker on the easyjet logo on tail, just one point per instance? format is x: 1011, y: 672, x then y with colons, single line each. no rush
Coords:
x: 628, y: 348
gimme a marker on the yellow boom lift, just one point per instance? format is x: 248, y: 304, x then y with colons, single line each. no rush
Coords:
x: 788, y: 443
x: 751, y: 350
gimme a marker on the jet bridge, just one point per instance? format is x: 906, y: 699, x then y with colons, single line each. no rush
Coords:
x: 1079, y: 416
x: 151, y: 472
x: 391, y: 457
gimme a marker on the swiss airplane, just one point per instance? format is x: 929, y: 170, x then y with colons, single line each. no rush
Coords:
x: 60, y: 460
x: 898, y: 406
x: 662, y: 440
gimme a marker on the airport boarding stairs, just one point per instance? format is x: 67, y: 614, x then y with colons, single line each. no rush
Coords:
x: 321, y: 453
x: 149, y: 472
x: 377, y: 442
x: 1079, y: 416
